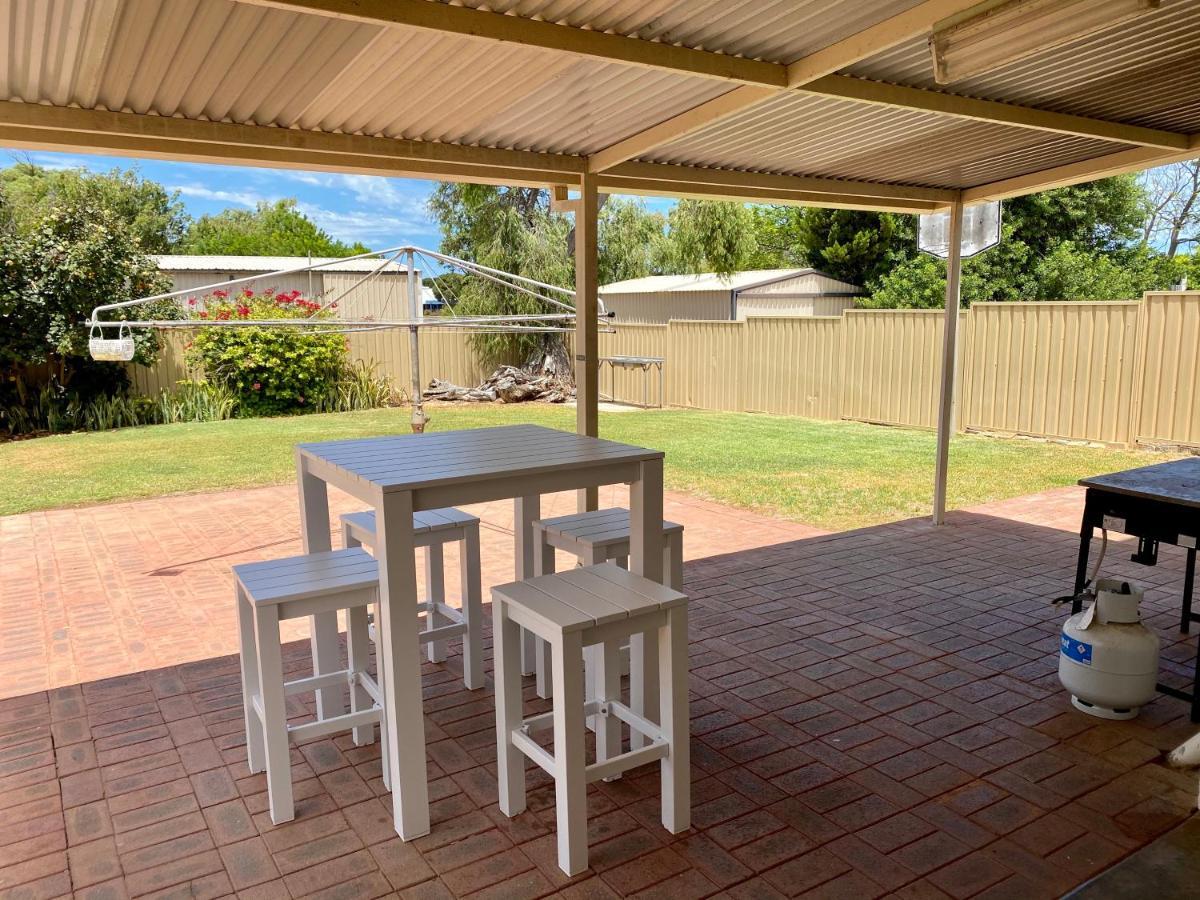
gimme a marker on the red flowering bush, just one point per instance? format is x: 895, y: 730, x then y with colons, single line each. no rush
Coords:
x: 272, y: 371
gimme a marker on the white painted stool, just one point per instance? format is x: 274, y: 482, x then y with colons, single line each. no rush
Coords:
x: 602, y: 606
x: 267, y: 594
x: 594, y: 537
x: 432, y: 529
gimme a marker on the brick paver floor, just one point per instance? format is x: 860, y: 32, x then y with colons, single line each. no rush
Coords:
x: 873, y: 712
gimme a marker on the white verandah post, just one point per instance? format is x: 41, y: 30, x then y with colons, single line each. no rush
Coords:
x: 587, y: 337
x: 948, y: 403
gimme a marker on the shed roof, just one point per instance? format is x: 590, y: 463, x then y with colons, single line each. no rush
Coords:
x: 809, y: 101
x: 201, y: 263
x: 704, y: 281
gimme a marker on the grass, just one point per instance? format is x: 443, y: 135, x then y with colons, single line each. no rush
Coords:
x: 832, y: 475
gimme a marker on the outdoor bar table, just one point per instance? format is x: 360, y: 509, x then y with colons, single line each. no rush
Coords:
x: 403, y: 474
x: 1156, y: 504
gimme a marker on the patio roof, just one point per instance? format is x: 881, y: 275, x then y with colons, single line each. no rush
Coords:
x: 827, y: 101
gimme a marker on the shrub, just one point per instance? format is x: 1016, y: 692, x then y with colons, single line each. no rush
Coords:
x: 271, y: 371
x: 196, y: 401
x: 359, y: 386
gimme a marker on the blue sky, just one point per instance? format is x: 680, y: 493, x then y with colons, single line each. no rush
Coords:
x: 380, y: 212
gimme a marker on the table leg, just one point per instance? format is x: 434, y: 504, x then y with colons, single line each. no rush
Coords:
x: 526, y: 510
x: 401, y: 649
x: 1085, y: 544
x: 645, y: 559
x: 1189, y: 581
x: 323, y: 628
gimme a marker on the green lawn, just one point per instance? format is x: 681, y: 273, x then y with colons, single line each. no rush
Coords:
x: 829, y: 474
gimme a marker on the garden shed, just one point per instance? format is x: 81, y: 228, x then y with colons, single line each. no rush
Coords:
x: 359, y: 292
x: 657, y: 299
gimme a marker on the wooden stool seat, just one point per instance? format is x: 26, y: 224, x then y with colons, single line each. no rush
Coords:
x: 270, y: 592
x: 594, y: 537
x: 601, y: 607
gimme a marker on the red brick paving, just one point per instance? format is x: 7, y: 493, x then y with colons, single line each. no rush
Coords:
x: 874, y: 713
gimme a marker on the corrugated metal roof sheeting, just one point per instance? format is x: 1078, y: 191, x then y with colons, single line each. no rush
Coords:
x: 1106, y: 76
x: 224, y: 61
x: 776, y: 30
x: 205, y: 263
x: 839, y: 138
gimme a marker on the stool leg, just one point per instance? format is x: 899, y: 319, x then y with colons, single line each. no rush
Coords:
x: 570, y: 784
x: 510, y: 762
x: 358, y: 643
x: 435, y: 592
x: 471, y: 579
x: 274, y: 714
x: 381, y: 673
x: 608, y: 684
x: 643, y: 681
x: 255, y: 750
x: 676, y: 765
x: 348, y: 540
x: 593, y: 682
x: 673, y: 562
x: 543, y: 564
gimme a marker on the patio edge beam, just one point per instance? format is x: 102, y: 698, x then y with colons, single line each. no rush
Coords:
x: 223, y: 141
x: 469, y: 22
x: 1119, y: 163
x: 652, y: 188
x: 699, y: 175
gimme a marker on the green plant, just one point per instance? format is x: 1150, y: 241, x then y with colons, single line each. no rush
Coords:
x: 271, y: 371
x: 196, y: 401
x: 360, y: 386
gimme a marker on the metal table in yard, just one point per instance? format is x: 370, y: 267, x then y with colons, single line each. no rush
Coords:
x: 1156, y: 504
x: 400, y: 475
x: 636, y: 362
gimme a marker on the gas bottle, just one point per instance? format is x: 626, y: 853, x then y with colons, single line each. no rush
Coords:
x: 1107, y: 658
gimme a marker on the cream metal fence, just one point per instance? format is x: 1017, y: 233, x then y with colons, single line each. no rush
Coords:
x: 1118, y: 373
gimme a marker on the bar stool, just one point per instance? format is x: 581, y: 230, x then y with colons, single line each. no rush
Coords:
x: 597, y: 606
x: 594, y: 537
x: 271, y: 592
x: 433, y: 529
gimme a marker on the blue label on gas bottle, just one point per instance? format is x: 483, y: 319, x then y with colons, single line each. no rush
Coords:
x: 1076, y: 650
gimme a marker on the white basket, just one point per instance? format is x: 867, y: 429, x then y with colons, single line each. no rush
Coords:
x: 118, y: 349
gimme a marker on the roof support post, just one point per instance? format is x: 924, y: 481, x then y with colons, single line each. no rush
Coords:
x: 947, y: 404
x: 587, y: 329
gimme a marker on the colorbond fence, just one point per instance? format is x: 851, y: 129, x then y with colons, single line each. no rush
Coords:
x: 1117, y: 373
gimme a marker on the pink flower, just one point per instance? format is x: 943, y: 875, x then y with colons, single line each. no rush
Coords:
x: 257, y: 386
x: 191, y: 301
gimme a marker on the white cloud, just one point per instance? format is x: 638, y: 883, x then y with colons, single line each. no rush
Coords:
x: 241, y: 198
x: 365, y: 225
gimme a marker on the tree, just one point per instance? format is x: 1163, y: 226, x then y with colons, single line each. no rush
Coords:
x: 153, y: 217
x: 1173, y: 221
x: 1076, y: 242
x: 708, y: 236
x: 631, y: 240
x: 853, y: 245
x: 272, y: 229
x: 76, y: 258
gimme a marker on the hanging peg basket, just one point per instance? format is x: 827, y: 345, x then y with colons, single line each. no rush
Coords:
x: 118, y: 349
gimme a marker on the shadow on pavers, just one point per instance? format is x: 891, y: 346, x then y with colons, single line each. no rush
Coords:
x: 1168, y: 867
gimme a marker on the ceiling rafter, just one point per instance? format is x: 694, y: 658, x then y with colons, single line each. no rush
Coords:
x: 484, y: 24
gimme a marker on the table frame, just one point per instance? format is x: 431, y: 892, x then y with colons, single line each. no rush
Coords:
x: 1153, y: 520
x: 399, y: 649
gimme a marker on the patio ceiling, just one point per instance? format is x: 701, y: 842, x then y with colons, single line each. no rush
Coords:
x: 815, y: 101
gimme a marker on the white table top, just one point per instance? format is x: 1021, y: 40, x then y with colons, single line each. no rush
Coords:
x: 411, y: 461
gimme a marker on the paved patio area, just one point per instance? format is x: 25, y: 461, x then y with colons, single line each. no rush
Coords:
x: 873, y: 712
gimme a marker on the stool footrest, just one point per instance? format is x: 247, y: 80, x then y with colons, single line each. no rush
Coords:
x: 442, y: 632
x: 343, y: 722
x: 657, y: 747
